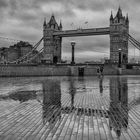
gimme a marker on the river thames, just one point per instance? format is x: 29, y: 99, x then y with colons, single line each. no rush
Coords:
x: 70, y: 108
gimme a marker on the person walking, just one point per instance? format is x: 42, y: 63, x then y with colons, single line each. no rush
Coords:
x: 98, y: 71
x: 101, y: 70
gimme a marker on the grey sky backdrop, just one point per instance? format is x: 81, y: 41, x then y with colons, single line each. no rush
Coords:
x: 23, y: 20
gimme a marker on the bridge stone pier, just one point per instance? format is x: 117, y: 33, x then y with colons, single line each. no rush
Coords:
x: 118, y: 31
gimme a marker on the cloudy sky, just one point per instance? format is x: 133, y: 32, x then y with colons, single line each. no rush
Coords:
x: 23, y: 20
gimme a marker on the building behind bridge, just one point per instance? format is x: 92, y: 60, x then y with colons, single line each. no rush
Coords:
x: 17, y: 51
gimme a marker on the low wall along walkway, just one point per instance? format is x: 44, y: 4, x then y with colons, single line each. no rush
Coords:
x: 46, y: 70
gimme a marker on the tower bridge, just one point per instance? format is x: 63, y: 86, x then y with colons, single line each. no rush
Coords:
x: 118, y: 31
x: 53, y: 33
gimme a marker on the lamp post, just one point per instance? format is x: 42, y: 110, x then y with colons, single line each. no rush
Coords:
x: 120, y: 58
x: 72, y: 58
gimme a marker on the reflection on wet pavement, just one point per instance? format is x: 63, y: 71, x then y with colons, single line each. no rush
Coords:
x: 73, y: 108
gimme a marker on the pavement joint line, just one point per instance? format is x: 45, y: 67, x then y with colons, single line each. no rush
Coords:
x: 74, y: 119
x: 57, y: 126
x: 11, y: 129
x: 116, y: 122
x: 66, y: 101
x: 11, y: 109
x: 112, y: 111
x: 95, y: 120
x: 77, y: 115
x: 29, y: 122
x: 91, y: 119
x: 83, y: 122
x: 88, y: 108
x: 74, y: 125
x: 61, y: 129
x: 44, y: 133
x: 65, y: 122
x: 52, y: 134
x: 47, y: 119
x: 10, y: 119
x: 93, y: 123
x: 129, y: 122
x: 134, y: 114
x: 100, y: 102
x: 123, y: 111
x: 98, y: 116
x: 105, y: 119
x: 70, y: 117
x: 28, y: 111
x: 81, y: 118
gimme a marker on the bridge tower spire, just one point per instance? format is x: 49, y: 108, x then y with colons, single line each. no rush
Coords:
x: 111, y: 17
x: 60, y: 26
x: 44, y: 22
x: 52, y: 44
x: 119, y: 28
x: 127, y: 20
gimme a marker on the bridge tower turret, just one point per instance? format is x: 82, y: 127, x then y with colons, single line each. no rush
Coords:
x: 119, y: 29
x: 52, y: 44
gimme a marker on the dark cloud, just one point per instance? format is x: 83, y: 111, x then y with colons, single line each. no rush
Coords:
x: 3, y: 4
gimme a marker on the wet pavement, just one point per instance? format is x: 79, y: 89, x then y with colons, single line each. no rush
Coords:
x: 70, y: 108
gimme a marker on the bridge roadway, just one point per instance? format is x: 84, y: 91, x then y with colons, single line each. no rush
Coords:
x: 83, y: 32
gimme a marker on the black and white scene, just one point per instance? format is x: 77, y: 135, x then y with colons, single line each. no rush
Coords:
x: 69, y: 70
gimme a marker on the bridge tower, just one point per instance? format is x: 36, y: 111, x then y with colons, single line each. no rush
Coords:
x: 52, y: 44
x: 119, y: 29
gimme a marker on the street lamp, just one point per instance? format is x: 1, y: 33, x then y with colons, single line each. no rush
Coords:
x: 120, y: 58
x: 72, y: 58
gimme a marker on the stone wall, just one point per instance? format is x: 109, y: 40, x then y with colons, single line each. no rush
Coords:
x: 46, y: 70
x: 40, y: 70
x: 92, y: 70
x: 130, y: 72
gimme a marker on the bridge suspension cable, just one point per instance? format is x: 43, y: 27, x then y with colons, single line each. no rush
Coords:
x: 134, y: 42
x: 26, y: 55
x: 34, y: 48
x: 33, y: 57
x: 137, y: 42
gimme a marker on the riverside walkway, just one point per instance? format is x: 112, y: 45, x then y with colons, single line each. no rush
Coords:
x: 75, y: 114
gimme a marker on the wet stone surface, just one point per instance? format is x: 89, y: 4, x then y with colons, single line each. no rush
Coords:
x: 70, y: 108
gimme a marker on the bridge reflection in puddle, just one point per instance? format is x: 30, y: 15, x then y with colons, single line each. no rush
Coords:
x: 72, y: 108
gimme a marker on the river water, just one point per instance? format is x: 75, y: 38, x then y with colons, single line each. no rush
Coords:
x: 70, y: 107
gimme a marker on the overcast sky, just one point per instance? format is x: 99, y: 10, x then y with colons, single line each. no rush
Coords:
x: 23, y: 20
